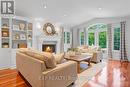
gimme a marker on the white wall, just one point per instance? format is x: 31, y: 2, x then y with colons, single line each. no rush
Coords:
x: 106, y: 21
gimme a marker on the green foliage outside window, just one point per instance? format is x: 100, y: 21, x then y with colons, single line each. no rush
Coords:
x: 82, y: 38
x: 117, y: 39
x: 91, y: 38
x: 102, y: 39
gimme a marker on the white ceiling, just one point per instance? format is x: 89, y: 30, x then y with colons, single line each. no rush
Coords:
x: 77, y: 11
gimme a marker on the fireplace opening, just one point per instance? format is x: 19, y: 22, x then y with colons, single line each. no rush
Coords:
x: 49, y: 48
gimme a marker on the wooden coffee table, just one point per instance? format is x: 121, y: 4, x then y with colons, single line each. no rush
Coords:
x: 79, y: 59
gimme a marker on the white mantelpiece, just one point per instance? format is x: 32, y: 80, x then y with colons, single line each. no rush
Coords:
x: 42, y: 39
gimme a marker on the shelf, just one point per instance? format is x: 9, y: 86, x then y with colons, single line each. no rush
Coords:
x: 29, y: 39
x: 5, y: 27
x: 29, y: 30
x: 19, y: 30
x: 5, y: 30
x: 5, y: 37
x: 19, y: 40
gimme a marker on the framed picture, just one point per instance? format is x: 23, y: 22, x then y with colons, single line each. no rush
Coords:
x: 15, y: 27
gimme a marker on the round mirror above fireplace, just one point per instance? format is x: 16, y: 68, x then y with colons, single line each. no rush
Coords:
x: 49, y: 29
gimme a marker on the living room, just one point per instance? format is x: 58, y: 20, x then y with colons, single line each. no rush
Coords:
x: 46, y: 43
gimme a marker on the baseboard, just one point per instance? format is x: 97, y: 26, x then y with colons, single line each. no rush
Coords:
x: 4, y: 68
x: 13, y: 67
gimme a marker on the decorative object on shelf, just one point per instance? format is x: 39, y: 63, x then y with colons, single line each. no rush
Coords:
x: 22, y: 26
x: 22, y: 45
x: 49, y: 29
x: 17, y: 37
x: 29, y: 36
x: 5, y: 25
x: 5, y: 45
x: 22, y: 37
x: 5, y: 32
x: 30, y: 26
x: 15, y: 27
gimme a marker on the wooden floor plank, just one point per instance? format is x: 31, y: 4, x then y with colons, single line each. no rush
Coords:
x: 115, y: 74
x: 11, y: 78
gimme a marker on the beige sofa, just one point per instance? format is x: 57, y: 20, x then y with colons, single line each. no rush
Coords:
x: 95, y: 51
x: 38, y: 75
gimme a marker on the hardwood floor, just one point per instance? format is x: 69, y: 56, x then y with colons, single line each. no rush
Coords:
x: 115, y: 74
x: 11, y: 78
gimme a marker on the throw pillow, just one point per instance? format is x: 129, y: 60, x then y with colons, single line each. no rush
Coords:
x: 50, y: 60
x: 59, y: 58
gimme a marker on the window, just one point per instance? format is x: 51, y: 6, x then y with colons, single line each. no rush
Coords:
x: 68, y: 37
x: 91, y: 38
x: 117, y: 39
x: 102, y: 39
x: 64, y: 37
x: 82, y: 38
x: 97, y: 35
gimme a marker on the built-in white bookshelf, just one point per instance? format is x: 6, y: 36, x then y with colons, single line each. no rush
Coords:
x: 16, y: 32
x: 5, y: 33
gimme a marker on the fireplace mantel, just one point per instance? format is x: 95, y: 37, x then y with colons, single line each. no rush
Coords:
x: 44, y: 39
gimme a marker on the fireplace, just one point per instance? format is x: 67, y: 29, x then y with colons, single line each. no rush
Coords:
x: 49, y: 48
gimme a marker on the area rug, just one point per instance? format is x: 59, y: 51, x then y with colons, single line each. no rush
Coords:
x: 86, y: 75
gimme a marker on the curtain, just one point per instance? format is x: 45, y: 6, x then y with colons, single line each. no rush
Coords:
x: 78, y: 37
x: 109, y: 31
x: 123, y: 54
x: 85, y: 36
x: 62, y: 39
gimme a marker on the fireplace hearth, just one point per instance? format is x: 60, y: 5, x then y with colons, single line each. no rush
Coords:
x: 49, y: 48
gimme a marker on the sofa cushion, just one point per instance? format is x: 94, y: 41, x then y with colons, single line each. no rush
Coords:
x: 48, y: 58
x: 59, y: 58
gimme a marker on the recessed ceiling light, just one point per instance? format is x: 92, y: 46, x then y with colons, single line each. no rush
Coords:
x: 65, y: 15
x: 45, y: 6
x: 99, y: 8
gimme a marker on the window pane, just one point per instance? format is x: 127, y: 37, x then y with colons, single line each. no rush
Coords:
x: 117, y: 39
x: 64, y: 37
x: 82, y: 38
x: 68, y: 37
x: 91, y: 38
x: 102, y: 27
x: 102, y: 39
